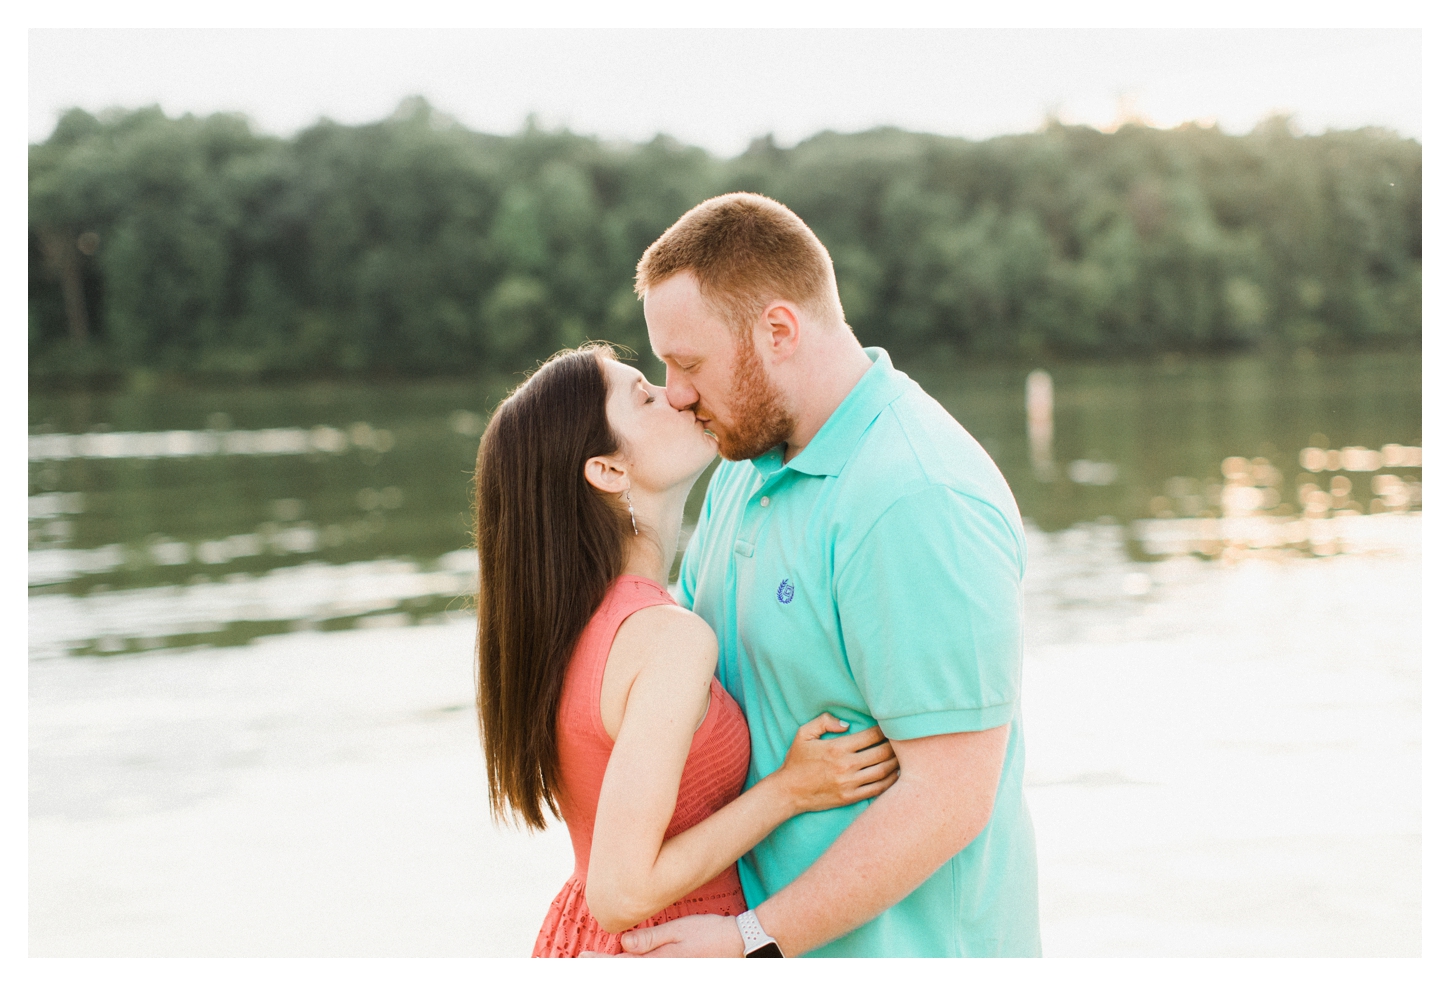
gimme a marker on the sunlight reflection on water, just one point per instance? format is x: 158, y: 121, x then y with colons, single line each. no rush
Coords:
x: 1216, y: 752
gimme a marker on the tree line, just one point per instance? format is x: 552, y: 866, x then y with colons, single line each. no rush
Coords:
x: 196, y: 246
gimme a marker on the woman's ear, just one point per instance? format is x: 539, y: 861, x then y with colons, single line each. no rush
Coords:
x: 604, y: 473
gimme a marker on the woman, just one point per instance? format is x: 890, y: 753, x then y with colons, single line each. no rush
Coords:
x: 596, y: 693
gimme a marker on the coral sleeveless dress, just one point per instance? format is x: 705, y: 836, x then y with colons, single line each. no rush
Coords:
x: 713, y: 775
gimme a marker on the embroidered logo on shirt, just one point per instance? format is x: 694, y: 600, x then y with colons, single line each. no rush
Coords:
x: 785, y: 592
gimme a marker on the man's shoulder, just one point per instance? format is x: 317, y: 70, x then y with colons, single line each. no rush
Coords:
x: 915, y: 445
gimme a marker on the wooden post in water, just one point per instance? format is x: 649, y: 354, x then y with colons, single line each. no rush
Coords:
x: 1039, y: 424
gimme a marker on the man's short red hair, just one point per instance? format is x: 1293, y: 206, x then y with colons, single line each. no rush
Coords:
x: 744, y: 250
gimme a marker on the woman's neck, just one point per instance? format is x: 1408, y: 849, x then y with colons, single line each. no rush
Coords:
x: 651, y: 553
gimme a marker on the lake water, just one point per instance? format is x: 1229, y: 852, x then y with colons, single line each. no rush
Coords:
x: 251, y: 729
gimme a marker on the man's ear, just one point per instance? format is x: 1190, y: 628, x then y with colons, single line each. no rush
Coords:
x: 603, y: 473
x: 780, y: 323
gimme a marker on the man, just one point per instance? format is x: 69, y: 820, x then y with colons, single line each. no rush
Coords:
x: 859, y: 554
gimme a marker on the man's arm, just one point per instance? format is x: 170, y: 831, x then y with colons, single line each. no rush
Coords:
x: 941, y: 803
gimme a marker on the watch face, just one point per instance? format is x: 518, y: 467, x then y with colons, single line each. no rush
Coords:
x: 770, y: 950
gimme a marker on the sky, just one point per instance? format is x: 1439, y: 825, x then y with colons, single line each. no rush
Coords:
x: 720, y: 89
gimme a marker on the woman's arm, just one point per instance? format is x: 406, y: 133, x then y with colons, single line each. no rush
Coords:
x: 633, y: 871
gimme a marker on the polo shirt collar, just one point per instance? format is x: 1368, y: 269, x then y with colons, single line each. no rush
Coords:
x: 827, y: 452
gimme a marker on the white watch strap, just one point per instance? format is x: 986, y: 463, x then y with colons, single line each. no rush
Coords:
x: 751, y: 932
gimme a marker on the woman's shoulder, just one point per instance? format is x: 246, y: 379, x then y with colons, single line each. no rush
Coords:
x: 664, y: 646
x: 665, y: 631
x: 670, y: 621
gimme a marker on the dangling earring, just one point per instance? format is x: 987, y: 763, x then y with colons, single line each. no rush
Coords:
x: 630, y: 501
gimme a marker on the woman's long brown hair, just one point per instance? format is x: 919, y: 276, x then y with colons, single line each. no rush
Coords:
x: 549, y: 544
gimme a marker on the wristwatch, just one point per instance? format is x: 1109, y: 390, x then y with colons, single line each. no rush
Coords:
x: 758, y: 945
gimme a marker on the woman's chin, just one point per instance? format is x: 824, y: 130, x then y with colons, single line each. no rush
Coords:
x: 709, y: 451
x: 694, y: 461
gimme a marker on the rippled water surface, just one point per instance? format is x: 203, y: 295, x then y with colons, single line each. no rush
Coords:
x: 208, y: 519
x: 250, y: 718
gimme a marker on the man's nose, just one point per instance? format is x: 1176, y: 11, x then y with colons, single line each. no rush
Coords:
x: 680, y: 394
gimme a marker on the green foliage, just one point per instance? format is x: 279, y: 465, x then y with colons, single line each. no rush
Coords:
x: 415, y: 246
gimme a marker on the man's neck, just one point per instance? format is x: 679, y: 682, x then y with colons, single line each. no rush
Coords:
x: 831, y: 376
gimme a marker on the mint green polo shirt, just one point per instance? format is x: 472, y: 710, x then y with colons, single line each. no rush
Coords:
x: 877, y: 576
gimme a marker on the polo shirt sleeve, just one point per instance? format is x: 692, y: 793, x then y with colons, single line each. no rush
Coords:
x: 930, y: 605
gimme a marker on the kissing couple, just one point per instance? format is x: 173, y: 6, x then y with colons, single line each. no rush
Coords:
x: 814, y: 746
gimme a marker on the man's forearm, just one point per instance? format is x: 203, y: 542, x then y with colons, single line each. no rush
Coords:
x: 894, y: 845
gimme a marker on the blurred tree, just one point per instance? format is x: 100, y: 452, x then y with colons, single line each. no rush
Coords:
x: 415, y: 246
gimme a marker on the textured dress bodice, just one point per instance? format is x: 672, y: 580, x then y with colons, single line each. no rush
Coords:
x: 713, y: 775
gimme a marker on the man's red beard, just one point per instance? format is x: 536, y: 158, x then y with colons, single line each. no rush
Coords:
x: 757, y: 408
